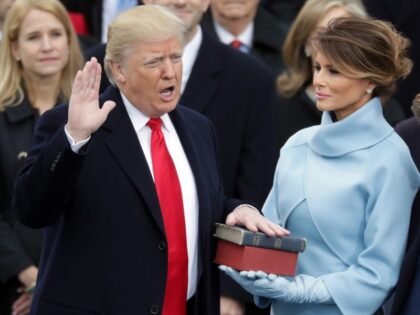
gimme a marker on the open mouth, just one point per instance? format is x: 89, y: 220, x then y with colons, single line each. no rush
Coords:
x: 167, y: 93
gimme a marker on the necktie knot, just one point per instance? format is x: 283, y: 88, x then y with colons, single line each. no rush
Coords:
x: 155, y: 123
x: 236, y: 43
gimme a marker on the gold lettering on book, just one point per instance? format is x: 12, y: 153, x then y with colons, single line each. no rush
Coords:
x: 277, y: 243
x: 256, y: 240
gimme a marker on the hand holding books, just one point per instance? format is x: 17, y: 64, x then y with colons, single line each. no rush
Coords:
x: 302, y: 289
x: 246, y: 250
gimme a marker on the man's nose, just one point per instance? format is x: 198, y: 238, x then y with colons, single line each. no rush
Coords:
x: 168, y: 71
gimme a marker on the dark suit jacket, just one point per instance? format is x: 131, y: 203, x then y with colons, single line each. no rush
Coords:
x: 237, y: 94
x: 268, y: 38
x: 20, y: 246
x: 409, y: 130
x: 284, y: 10
x: 104, y: 251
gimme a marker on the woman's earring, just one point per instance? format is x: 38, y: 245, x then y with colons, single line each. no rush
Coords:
x: 307, y: 51
x: 369, y: 91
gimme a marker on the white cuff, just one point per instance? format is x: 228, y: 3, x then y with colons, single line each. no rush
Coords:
x: 75, y: 146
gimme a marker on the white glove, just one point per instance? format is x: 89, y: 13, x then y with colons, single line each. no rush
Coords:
x: 302, y: 289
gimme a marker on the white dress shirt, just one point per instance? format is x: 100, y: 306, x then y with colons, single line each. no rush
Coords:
x: 246, y: 37
x: 189, y: 56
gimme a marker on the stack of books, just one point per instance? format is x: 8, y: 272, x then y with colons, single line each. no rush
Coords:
x: 242, y: 249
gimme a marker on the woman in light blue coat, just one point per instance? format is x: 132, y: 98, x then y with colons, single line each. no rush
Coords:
x: 346, y: 185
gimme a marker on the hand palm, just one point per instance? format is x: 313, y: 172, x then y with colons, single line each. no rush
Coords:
x: 85, y: 115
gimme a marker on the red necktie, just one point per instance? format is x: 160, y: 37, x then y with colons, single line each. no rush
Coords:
x: 236, y: 43
x: 170, y: 200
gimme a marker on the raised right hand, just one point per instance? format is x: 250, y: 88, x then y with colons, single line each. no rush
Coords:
x: 85, y: 116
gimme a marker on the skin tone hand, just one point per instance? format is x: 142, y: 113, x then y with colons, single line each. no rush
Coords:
x: 230, y: 306
x: 251, y: 219
x: 22, y: 305
x: 27, y: 277
x: 85, y: 116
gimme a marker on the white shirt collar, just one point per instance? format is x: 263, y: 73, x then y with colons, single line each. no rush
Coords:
x: 225, y: 37
x: 139, y: 119
x: 189, y: 56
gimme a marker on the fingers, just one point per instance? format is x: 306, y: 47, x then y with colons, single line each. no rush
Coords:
x: 91, y: 75
x: 97, y: 79
x: 77, y: 84
x: 107, y: 107
x: 261, y: 274
x: 22, y: 305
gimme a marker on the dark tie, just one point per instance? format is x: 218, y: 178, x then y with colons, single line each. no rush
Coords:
x: 170, y: 200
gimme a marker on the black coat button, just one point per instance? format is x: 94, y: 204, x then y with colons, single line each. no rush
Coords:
x: 162, y: 246
x: 154, y: 309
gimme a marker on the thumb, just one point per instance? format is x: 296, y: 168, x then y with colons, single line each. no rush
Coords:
x: 232, y: 219
x: 107, y: 107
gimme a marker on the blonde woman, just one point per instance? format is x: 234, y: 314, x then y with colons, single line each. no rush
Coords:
x: 39, y: 57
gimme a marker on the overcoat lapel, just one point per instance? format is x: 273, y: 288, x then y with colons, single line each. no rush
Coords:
x: 125, y: 147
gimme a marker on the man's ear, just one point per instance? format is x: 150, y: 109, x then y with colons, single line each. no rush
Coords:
x: 117, y: 72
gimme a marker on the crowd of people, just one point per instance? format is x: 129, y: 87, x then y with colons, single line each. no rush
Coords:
x: 129, y: 128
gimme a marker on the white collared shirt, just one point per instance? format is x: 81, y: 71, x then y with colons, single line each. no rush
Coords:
x: 189, y: 56
x: 246, y: 37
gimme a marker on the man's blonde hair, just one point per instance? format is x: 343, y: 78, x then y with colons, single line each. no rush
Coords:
x: 145, y: 23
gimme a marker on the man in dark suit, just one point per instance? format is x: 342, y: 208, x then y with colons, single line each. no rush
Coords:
x: 91, y: 179
x: 407, y: 292
x: 249, y: 27
x: 237, y: 93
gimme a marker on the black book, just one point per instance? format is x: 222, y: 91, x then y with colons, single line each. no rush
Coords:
x: 242, y: 236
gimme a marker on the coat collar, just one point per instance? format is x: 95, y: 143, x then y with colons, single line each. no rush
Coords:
x: 20, y: 112
x: 360, y: 130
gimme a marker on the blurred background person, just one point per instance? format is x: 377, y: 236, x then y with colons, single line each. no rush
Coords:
x: 96, y: 15
x: 39, y: 57
x: 405, y: 15
x: 247, y: 26
x: 407, y: 292
x: 348, y: 184
x: 4, y: 7
x: 284, y: 10
x: 297, y: 103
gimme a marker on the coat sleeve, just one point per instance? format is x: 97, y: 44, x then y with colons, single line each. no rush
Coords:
x: 392, y: 185
x: 13, y: 258
x: 44, y: 184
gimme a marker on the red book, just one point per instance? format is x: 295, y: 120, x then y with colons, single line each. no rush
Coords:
x: 242, y: 257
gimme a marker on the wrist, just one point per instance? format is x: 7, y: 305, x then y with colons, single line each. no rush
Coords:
x: 28, y: 276
x: 31, y: 288
x: 77, y: 134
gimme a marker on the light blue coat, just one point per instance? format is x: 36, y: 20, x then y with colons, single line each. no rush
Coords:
x: 348, y: 187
